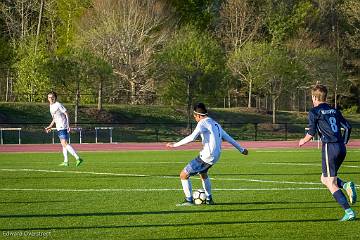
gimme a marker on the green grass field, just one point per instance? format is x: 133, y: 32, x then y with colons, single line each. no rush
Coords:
x: 269, y: 194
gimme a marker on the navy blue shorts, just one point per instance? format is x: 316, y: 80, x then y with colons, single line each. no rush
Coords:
x: 333, y: 155
x: 196, y: 166
x: 63, y: 134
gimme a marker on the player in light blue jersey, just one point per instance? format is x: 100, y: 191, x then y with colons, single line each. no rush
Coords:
x: 212, y: 135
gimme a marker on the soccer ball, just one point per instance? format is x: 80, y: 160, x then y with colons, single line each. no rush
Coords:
x: 199, y: 196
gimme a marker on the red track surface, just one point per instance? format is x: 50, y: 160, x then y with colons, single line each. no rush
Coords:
x: 154, y: 146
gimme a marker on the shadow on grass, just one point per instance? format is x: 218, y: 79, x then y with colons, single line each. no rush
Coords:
x: 174, y: 224
x: 279, y: 202
x: 265, y: 174
x: 192, y: 210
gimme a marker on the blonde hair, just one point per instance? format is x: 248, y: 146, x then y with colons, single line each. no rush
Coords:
x: 319, y: 91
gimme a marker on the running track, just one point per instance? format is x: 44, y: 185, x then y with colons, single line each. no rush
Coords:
x: 91, y: 147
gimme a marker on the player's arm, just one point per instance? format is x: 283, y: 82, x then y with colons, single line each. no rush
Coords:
x: 312, y: 130
x: 48, y: 128
x: 304, y: 140
x: 347, y: 128
x: 187, y: 139
x: 232, y: 141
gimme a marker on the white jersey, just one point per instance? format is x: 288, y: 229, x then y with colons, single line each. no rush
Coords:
x: 211, y: 134
x: 57, y: 111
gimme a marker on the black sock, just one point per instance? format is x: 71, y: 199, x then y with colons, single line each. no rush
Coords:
x: 340, y: 183
x: 341, y: 199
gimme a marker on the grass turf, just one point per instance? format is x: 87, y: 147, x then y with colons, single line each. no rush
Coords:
x: 132, y: 195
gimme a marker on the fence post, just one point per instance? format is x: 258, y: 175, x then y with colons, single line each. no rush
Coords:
x: 256, y: 129
x: 157, y: 134
x: 286, y: 131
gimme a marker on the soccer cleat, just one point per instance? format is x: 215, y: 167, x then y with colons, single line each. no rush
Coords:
x: 64, y: 164
x: 351, y: 191
x: 185, y: 203
x: 209, y: 202
x: 349, y: 215
x: 78, y: 162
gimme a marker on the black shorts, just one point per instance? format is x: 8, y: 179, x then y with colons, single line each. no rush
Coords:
x: 333, y: 155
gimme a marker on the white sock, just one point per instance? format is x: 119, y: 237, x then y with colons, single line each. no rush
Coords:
x: 72, y: 151
x: 186, y: 184
x: 207, y: 187
x: 65, y: 155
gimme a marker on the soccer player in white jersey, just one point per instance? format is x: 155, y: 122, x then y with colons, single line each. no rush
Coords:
x: 61, y: 119
x: 211, y: 134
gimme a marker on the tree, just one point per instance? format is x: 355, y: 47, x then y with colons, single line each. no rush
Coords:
x: 6, y: 59
x: 32, y: 81
x: 285, y: 18
x: 350, y: 11
x: 191, y: 67
x: 126, y: 34
x: 198, y: 13
x: 245, y: 63
x: 238, y: 23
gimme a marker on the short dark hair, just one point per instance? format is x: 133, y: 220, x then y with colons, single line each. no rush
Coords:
x: 199, y: 108
x: 53, y: 93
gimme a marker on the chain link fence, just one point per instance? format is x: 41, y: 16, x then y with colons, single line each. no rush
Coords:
x: 144, y: 132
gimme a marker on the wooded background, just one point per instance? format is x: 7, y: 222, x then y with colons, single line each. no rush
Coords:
x: 226, y: 53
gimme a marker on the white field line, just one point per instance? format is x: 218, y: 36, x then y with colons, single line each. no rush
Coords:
x: 305, y: 164
x: 171, y: 177
x: 76, y: 172
x: 150, y: 189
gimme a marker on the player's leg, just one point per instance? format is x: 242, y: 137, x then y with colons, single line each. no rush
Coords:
x: 330, y: 165
x: 349, y: 187
x: 187, y: 188
x: 207, y: 187
x: 64, y: 136
x: 339, y: 196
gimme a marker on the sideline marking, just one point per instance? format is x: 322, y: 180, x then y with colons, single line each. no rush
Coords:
x: 150, y: 190
x: 171, y: 177
x: 77, y: 172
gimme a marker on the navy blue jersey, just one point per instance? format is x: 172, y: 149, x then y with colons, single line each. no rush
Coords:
x: 328, y: 122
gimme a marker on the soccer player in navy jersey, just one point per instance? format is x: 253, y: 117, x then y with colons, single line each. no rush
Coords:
x: 328, y: 122
x: 212, y: 135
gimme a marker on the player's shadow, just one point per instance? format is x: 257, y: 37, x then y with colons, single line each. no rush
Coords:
x: 192, y: 210
x: 212, y: 224
x: 264, y: 174
x: 271, y: 203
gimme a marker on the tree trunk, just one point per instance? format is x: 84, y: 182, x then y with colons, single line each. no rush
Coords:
x: 229, y: 99
x: 133, y: 93
x: 100, y: 96
x: 39, y: 25
x: 22, y: 21
x: 273, y: 98
x: 7, y: 87
x: 250, y: 90
x: 77, y: 100
x: 188, y: 92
